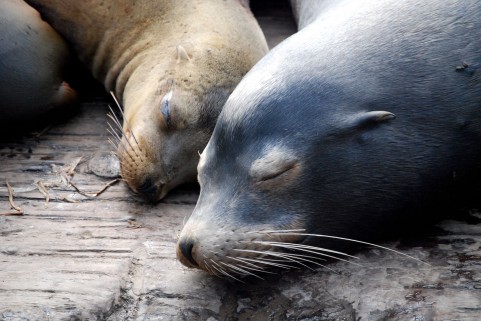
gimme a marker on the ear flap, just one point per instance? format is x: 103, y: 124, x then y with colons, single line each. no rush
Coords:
x: 371, y: 118
x: 362, y: 121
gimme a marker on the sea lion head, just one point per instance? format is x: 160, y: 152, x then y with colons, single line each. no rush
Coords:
x: 275, y: 172
x: 171, y: 109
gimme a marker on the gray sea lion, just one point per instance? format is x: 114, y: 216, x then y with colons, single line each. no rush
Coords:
x: 357, y: 123
x: 172, y: 64
x: 33, y: 57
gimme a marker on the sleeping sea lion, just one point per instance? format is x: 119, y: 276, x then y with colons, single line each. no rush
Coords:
x: 355, y: 125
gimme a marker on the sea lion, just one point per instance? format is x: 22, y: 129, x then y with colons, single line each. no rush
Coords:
x: 33, y: 57
x: 172, y: 64
x: 355, y: 124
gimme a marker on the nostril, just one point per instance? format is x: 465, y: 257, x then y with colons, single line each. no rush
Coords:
x: 186, y: 247
x: 149, y: 190
x: 147, y: 187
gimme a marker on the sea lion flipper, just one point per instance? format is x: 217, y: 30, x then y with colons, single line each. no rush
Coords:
x: 65, y: 96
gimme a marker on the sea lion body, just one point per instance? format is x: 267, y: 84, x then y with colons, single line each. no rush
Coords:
x: 32, y: 61
x: 357, y: 123
x: 172, y: 64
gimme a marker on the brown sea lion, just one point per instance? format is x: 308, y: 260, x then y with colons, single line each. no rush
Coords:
x: 32, y: 60
x: 365, y: 123
x: 172, y: 63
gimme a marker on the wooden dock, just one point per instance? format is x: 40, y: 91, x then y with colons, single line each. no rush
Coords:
x: 74, y: 252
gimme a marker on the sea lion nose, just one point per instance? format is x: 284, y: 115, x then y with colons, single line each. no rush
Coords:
x: 149, y: 190
x: 184, y: 252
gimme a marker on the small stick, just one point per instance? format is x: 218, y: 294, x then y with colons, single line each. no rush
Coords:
x: 10, y: 198
x: 95, y: 194
x: 73, y: 166
x: 103, y: 189
x: 133, y: 224
x: 44, y: 191
x: 43, y: 131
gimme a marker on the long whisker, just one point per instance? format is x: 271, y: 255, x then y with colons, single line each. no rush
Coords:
x: 304, y: 246
x: 349, y: 240
x: 122, y: 145
x: 208, y: 268
x: 312, y: 249
x: 252, y: 266
x: 274, y: 254
x: 221, y: 270
x: 114, y: 133
x: 112, y: 115
x: 125, y: 119
x: 294, y: 258
x: 266, y: 262
x: 236, y: 268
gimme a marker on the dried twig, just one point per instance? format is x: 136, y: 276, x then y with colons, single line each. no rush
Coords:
x: 71, y: 169
x: 103, y: 189
x: 10, y: 198
x: 44, y: 191
x: 43, y: 131
x: 134, y: 224
x: 95, y: 194
x: 79, y: 190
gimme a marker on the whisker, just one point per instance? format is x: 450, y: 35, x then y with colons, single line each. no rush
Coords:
x: 241, y: 270
x: 275, y: 231
x: 121, y: 141
x: 251, y: 265
x: 303, y: 258
x: 127, y: 150
x: 112, y: 115
x: 314, y: 250
x: 207, y: 267
x: 125, y: 119
x: 262, y: 261
x: 113, y: 144
x: 113, y: 133
x: 310, y: 247
x: 221, y: 270
x: 352, y: 240
x: 274, y: 254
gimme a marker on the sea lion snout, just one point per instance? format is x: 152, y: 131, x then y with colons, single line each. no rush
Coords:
x: 235, y: 247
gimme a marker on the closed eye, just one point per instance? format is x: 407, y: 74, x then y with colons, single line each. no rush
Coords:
x: 278, y: 167
x: 165, y: 109
x: 272, y: 175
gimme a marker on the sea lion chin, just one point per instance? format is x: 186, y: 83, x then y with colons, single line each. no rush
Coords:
x: 172, y: 65
x: 364, y: 122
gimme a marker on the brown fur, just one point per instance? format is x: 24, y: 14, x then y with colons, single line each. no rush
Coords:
x: 142, y: 50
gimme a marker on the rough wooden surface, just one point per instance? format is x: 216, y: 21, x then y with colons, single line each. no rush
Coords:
x: 112, y: 257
